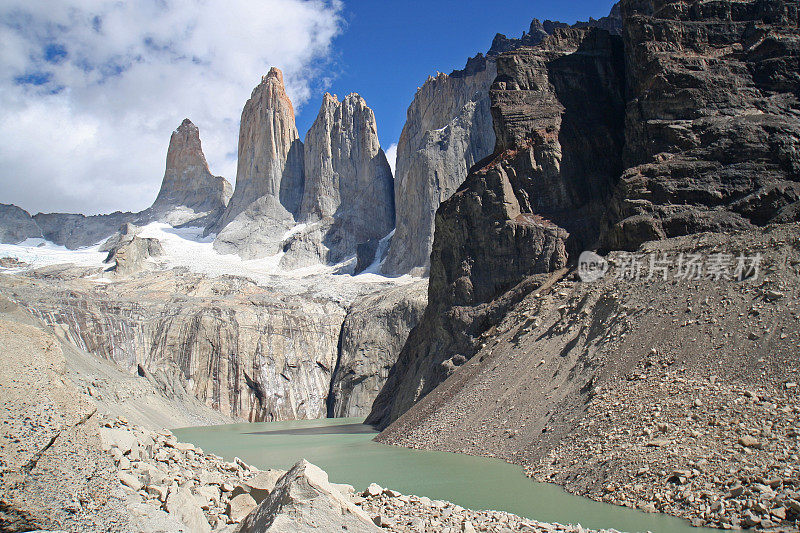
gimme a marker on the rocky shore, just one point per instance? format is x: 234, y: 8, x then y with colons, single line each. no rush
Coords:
x: 177, y: 481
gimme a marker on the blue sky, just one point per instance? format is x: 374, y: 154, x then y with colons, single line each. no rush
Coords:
x: 92, y: 89
x: 386, y: 50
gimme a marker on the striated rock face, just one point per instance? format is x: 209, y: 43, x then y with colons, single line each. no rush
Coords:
x: 189, y: 193
x: 348, y: 195
x: 447, y: 130
x: 16, y: 225
x: 373, y: 333
x: 246, y: 351
x: 713, y: 119
x: 270, y: 155
x: 557, y: 112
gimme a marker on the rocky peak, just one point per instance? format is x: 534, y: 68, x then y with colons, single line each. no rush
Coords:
x: 187, y: 182
x: 348, y: 193
x: 270, y: 151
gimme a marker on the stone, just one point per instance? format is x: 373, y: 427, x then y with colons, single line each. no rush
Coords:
x: 515, y: 204
x: 670, y: 137
x: 261, y: 484
x: 240, y: 506
x: 749, y: 442
x: 131, y: 481
x: 129, y: 253
x: 305, y: 501
x: 182, y: 505
x: 373, y: 490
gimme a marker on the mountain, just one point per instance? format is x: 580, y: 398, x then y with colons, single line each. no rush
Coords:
x: 448, y: 130
x: 189, y: 193
x: 676, y: 139
x: 269, y: 174
x: 189, y: 196
x: 16, y: 225
x: 348, y: 197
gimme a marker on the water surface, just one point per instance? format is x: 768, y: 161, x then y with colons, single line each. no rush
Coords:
x: 344, y: 448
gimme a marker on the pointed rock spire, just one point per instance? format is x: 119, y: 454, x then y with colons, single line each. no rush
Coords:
x: 270, y: 152
x: 187, y: 182
x: 348, y: 196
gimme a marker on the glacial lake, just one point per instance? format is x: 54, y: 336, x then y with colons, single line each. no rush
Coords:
x: 344, y: 448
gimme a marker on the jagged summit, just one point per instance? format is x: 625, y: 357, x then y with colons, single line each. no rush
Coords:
x: 188, y: 188
x: 270, y: 154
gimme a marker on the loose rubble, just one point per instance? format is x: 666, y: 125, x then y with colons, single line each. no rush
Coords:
x: 208, y: 493
x: 669, y: 440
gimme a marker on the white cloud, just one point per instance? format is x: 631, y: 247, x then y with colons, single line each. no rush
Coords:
x: 92, y: 89
x: 391, y: 155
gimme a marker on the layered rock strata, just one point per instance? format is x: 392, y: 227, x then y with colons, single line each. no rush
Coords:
x: 712, y: 122
x: 558, y: 117
x: 243, y: 350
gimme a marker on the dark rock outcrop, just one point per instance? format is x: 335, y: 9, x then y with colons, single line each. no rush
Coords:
x: 713, y: 119
x: 16, y: 225
x: 687, y: 123
x: 557, y: 112
x: 128, y: 252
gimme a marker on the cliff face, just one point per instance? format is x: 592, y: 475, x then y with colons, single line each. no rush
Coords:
x: 373, y: 333
x: 348, y: 196
x: 558, y: 117
x: 681, y: 133
x: 447, y: 130
x: 712, y: 122
x: 269, y: 174
x: 189, y: 193
x: 16, y: 225
x: 241, y: 349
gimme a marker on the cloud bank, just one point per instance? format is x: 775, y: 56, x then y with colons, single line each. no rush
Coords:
x: 91, y: 89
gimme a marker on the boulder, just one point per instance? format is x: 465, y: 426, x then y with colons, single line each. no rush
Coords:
x: 305, y: 501
x: 240, y: 506
x: 182, y: 505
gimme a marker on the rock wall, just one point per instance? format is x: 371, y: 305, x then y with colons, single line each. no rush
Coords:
x: 447, y: 130
x: 713, y: 119
x: 521, y: 211
x: 348, y: 196
x: 16, y: 225
x: 245, y: 351
x: 373, y: 333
